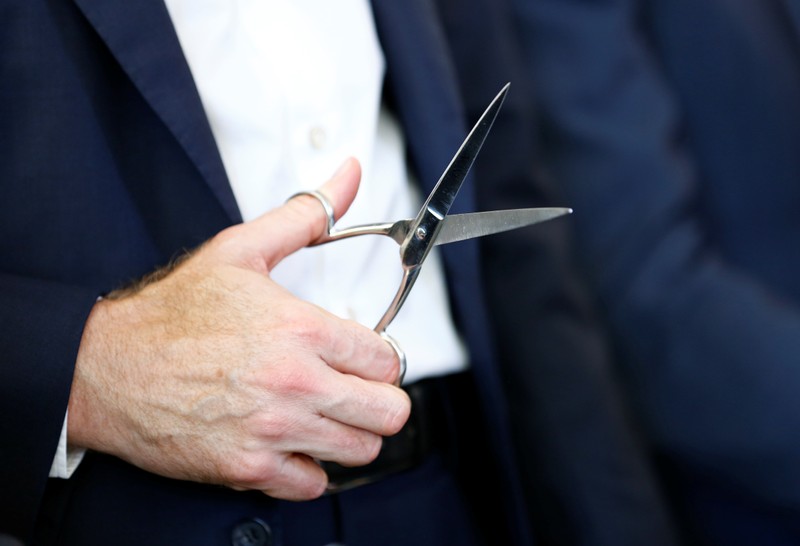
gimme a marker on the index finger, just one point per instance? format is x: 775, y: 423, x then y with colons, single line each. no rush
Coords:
x: 354, y: 349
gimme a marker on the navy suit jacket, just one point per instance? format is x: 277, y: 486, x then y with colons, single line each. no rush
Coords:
x: 584, y: 468
x: 673, y: 127
x: 108, y: 168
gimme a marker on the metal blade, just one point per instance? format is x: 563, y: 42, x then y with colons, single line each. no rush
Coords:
x: 459, y: 227
x: 441, y: 198
x: 423, y: 232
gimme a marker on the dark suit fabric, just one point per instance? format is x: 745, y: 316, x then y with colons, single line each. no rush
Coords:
x: 108, y: 169
x: 673, y: 128
x: 585, y: 471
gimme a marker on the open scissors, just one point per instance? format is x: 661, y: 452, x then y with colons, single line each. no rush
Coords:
x: 432, y: 226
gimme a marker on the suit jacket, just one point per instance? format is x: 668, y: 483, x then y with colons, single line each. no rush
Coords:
x: 673, y: 127
x: 108, y: 168
x: 584, y: 467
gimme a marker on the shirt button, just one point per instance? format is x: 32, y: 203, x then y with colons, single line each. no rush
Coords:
x: 318, y: 137
x: 252, y: 532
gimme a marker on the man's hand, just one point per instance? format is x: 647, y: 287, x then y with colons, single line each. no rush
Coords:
x: 214, y: 373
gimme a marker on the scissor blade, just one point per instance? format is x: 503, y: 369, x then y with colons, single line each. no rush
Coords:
x: 423, y: 232
x: 441, y: 198
x: 459, y: 227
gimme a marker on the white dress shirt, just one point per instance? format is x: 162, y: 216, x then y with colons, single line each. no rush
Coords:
x: 291, y: 89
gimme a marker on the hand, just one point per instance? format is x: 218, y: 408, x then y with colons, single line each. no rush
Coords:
x: 212, y: 372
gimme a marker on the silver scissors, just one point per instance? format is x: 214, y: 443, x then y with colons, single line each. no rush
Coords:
x: 432, y: 226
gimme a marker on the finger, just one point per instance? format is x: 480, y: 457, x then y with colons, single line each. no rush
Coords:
x: 346, y: 421
x: 298, y: 478
x: 302, y: 220
x: 329, y: 440
x: 343, y: 423
x: 352, y: 348
x: 376, y: 407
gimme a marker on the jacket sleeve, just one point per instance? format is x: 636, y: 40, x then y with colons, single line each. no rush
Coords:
x: 713, y: 352
x: 41, y: 324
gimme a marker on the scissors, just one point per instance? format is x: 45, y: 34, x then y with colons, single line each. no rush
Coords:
x: 432, y: 226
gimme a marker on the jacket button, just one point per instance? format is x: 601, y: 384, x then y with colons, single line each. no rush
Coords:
x: 252, y: 532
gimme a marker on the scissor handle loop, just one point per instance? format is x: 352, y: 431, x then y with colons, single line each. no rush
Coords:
x: 326, y: 204
x: 408, y: 277
x: 401, y: 355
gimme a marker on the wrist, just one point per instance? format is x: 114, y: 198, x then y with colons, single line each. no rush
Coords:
x: 86, y: 418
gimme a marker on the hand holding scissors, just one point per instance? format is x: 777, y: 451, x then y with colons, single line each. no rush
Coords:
x: 432, y: 226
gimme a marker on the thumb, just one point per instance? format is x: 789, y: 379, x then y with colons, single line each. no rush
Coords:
x: 302, y: 220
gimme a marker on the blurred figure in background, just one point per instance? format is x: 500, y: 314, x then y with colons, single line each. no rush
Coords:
x: 673, y: 128
x: 585, y: 472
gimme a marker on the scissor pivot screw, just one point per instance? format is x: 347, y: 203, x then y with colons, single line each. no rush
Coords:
x: 421, y: 233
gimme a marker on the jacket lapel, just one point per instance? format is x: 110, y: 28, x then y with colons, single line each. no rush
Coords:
x: 421, y: 82
x: 141, y: 37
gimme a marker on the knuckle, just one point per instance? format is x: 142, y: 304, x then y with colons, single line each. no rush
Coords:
x: 250, y: 471
x: 270, y: 426
x: 294, y: 383
x: 397, y: 414
x: 371, y: 448
x: 226, y: 237
x: 391, y: 367
x: 361, y: 448
x: 315, y: 487
x: 304, y: 323
x: 384, y: 361
x: 308, y: 485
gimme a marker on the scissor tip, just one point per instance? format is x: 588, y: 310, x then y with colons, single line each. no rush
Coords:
x: 499, y: 98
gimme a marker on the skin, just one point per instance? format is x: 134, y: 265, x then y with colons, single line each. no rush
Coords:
x: 209, y: 371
